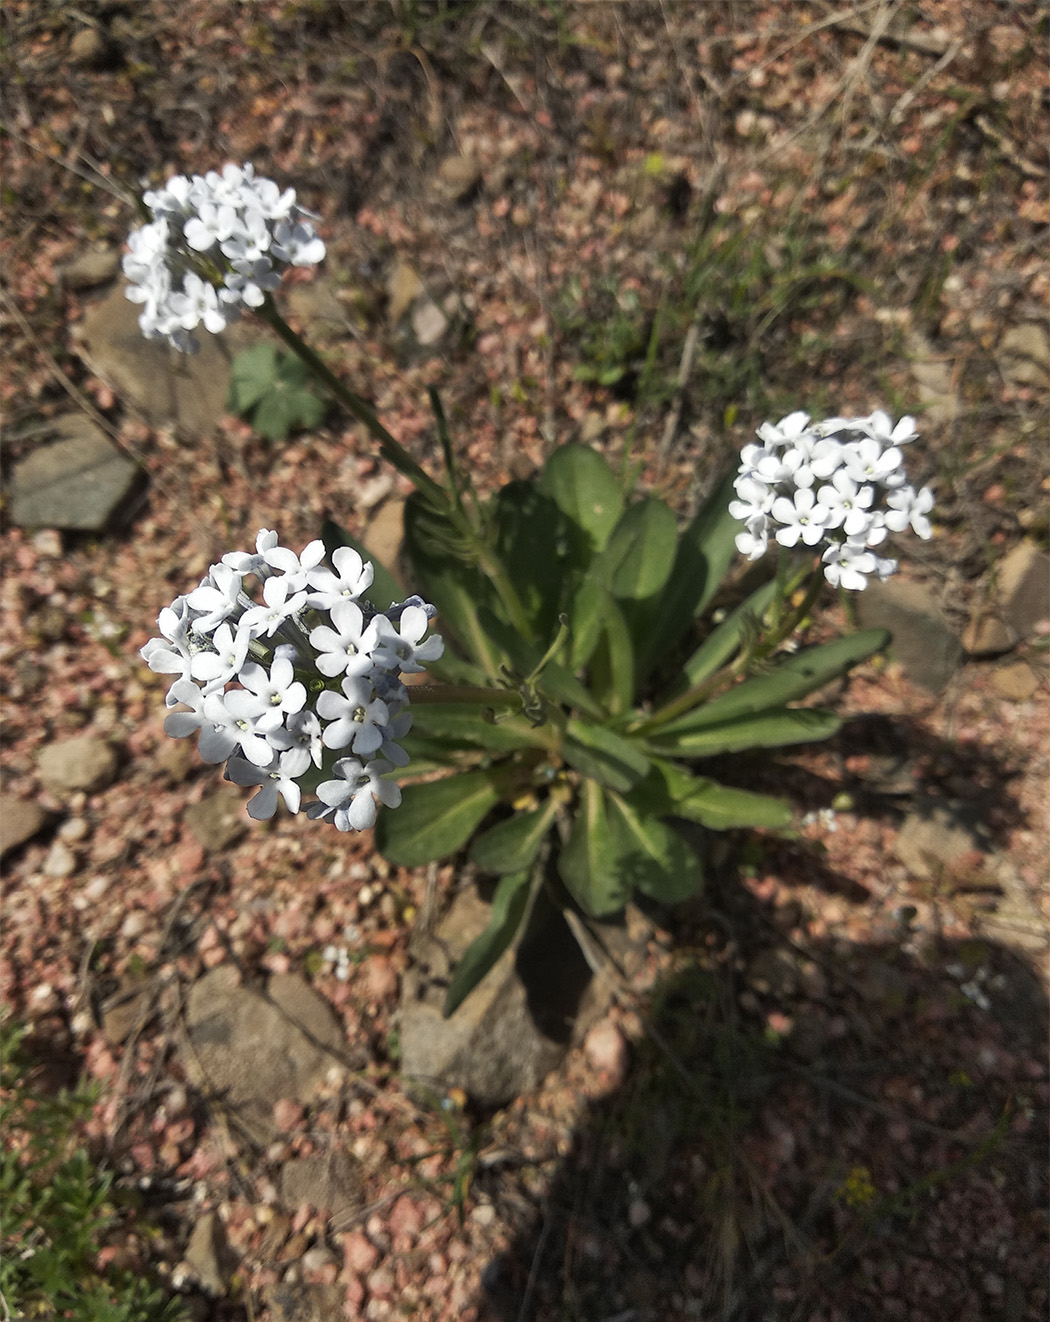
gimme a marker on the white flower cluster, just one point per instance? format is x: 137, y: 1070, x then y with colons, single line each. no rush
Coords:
x: 213, y: 246
x: 278, y: 687
x: 839, y: 484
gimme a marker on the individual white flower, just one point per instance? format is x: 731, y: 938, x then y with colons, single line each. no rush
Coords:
x: 212, y: 223
x: 199, y: 303
x: 250, y: 239
x: 867, y: 461
x: 350, y: 581
x: 880, y: 426
x: 297, y: 243
x: 267, y: 619
x: 802, y: 517
x: 848, y: 564
x: 217, y: 668
x: 405, y: 639
x: 235, y: 715
x: 171, y: 654
x: 300, y: 739
x: 277, y: 779
x: 244, y: 562
x: 295, y: 568
x: 754, y: 499
x: 351, y: 799
x: 848, y: 505
x: 787, y: 429
x: 279, y: 692
x: 754, y: 540
x: 347, y: 647
x: 249, y: 282
x: 358, y: 718
x: 908, y: 506
x: 217, y: 598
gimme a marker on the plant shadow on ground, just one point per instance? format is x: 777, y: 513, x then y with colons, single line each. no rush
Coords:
x: 850, y: 1131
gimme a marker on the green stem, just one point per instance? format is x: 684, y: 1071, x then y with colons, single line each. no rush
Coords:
x: 441, y: 500
x: 392, y: 450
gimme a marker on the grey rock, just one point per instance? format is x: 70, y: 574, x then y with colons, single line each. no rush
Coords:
x: 317, y: 306
x: 187, y: 391
x: 60, y: 861
x: 429, y: 323
x: 128, y: 1009
x: 1020, y: 599
x: 1024, y: 355
x: 81, y: 481
x: 513, y: 1028
x: 403, y: 288
x: 20, y: 820
x: 922, y: 641
x: 293, y: 1301
x: 88, y: 47
x: 209, y: 1258
x: 934, y: 382
x: 84, y: 762
x: 1016, y: 921
x: 95, y: 266
x: 217, y: 821
x: 331, y: 1180
x: 934, y: 837
x: 459, y: 177
x: 254, y: 1048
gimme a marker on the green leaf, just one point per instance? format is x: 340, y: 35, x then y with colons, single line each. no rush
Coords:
x: 584, y: 488
x: 768, y: 729
x: 640, y: 554
x: 512, y: 846
x: 612, y: 674
x: 386, y: 587
x: 435, y: 819
x: 508, y: 909
x: 459, y: 723
x: 792, y: 678
x: 603, y: 755
x: 532, y: 540
x: 252, y: 374
x: 724, y: 641
x: 452, y: 585
x: 588, y: 863
x: 651, y: 856
x: 706, y: 549
x: 670, y: 790
x: 586, y: 615
x: 555, y: 682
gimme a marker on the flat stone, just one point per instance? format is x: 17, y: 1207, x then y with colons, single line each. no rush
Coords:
x: 316, y: 305
x: 1016, y: 682
x: 1020, y: 599
x: 80, y: 481
x: 168, y: 388
x: 513, y: 1028
x: 922, y: 642
x: 429, y: 323
x: 934, y: 381
x: 84, y: 762
x: 1024, y: 355
x: 217, y: 822
x: 20, y: 820
x: 255, y: 1047
x: 331, y: 1180
x: 936, y: 837
x: 403, y: 288
x: 95, y: 266
x: 459, y: 177
x: 209, y: 1258
x: 294, y: 1301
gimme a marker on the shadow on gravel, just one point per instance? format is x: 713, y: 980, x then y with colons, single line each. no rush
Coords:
x: 853, y: 1133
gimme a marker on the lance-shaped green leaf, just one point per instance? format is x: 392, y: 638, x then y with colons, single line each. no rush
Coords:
x: 532, y: 543
x: 640, y: 553
x: 652, y: 856
x: 512, y: 846
x: 586, y: 615
x: 612, y: 672
x: 454, y: 587
x: 706, y: 549
x: 588, y: 865
x: 584, y: 488
x: 601, y: 754
x: 792, y: 678
x: 670, y: 790
x: 436, y: 819
x: 459, y: 723
x: 767, y: 729
x: 726, y: 639
x: 386, y: 587
x: 509, y: 905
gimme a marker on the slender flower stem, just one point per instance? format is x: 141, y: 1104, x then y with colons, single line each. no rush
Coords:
x: 443, y: 501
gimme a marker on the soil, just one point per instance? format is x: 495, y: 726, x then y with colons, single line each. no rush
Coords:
x: 822, y: 1093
